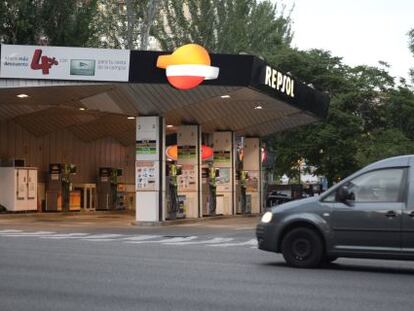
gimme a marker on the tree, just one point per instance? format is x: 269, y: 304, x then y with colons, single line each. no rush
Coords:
x: 411, y: 46
x: 383, y: 143
x: 124, y: 24
x: 226, y: 26
x: 400, y: 111
x: 56, y: 22
x: 68, y: 22
x: 19, y: 22
x: 365, y: 103
x: 366, y: 111
x: 148, y: 20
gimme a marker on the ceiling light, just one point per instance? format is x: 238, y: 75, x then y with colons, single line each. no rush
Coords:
x: 225, y: 96
x: 258, y: 107
x: 82, y: 109
x: 22, y: 96
x: 131, y: 118
x: 170, y: 126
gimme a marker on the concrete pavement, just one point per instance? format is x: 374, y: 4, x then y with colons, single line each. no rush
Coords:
x: 103, y: 262
x: 76, y: 274
x: 117, y: 222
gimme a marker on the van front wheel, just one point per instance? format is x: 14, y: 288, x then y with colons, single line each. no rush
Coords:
x: 302, y: 248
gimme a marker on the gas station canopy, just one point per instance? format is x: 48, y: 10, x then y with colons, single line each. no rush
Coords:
x: 249, y: 97
x: 102, y: 115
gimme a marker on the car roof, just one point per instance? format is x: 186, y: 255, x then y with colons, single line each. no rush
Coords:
x: 403, y: 160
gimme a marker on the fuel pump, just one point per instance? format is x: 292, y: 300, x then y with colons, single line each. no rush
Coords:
x: 244, y: 176
x: 67, y: 171
x: 212, y: 190
x: 172, y: 190
x: 59, y: 186
x: 115, y: 173
x: 108, y: 188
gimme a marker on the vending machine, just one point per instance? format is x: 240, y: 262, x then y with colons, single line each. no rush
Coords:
x: 107, y: 188
x: 18, y: 188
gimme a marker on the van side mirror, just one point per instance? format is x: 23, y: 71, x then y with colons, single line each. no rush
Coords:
x: 343, y: 195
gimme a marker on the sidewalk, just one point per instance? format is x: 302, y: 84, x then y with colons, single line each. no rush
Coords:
x: 115, y: 219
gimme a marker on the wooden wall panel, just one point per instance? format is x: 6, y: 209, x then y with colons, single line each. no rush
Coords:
x: 62, y: 146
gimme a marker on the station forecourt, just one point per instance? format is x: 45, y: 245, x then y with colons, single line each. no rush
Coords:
x: 167, y: 134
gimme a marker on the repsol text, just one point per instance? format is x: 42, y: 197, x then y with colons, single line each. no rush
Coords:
x: 280, y: 82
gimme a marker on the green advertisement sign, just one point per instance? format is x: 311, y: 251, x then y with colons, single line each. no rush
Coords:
x: 146, y: 147
x: 222, y: 156
x: 187, y: 153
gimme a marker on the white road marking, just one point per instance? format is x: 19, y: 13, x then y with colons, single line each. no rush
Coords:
x: 98, y: 240
x: 165, y: 241
x: 27, y: 234
x: 64, y: 236
x: 244, y: 228
x: 10, y: 231
x: 132, y: 239
x: 141, y: 237
x: 211, y: 241
x: 102, y: 236
x: 251, y: 242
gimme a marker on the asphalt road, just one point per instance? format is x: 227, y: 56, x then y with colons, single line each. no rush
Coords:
x: 184, y: 268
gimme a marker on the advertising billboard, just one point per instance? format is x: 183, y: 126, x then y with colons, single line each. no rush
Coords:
x: 64, y: 63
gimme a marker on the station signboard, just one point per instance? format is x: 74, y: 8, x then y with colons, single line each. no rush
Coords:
x: 64, y: 63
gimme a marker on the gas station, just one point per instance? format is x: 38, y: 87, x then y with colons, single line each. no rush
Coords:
x: 168, y: 134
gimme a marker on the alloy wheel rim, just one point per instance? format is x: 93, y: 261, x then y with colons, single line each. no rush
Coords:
x: 301, y: 248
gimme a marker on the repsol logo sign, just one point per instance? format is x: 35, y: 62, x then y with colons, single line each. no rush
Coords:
x: 280, y: 82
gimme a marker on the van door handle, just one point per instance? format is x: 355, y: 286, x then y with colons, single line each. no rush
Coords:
x: 391, y: 214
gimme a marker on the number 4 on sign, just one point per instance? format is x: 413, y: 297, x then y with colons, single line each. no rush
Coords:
x: 42, y: 62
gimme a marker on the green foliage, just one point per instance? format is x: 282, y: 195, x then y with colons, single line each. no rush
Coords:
x: 61, y: 22
x: 411, y: 46
x: 123, y: 24
x: 329, y: 146
x: 411, y: 40
x: 316, y: 67
x: 383, y: 143
x: 226, y: 26
x: 112, y: 28
x: 400, y: 111
x: 19, y: 21
x: 67, y: 22
x: 369, y: 117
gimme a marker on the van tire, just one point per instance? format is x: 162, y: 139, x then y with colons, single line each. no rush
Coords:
x: 302, y: 248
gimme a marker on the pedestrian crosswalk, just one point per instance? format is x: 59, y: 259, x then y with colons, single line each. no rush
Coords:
x: 140, y: 239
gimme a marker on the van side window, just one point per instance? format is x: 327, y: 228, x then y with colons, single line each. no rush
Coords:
x: 330, y: 197
x: 378, y: 186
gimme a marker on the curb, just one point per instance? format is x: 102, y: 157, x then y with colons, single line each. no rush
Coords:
x: 188, y: 221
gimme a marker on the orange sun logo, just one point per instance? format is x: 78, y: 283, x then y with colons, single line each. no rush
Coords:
x: 188, y: 66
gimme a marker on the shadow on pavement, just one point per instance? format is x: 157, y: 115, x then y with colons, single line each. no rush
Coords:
x: 351, y: 267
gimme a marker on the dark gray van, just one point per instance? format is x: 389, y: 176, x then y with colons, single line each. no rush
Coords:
x: 370, y: 214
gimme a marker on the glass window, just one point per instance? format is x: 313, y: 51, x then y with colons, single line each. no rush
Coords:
x: 330, y: 197
x: 377, y: 186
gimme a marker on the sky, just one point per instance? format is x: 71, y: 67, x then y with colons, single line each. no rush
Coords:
x: 363, y: 32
